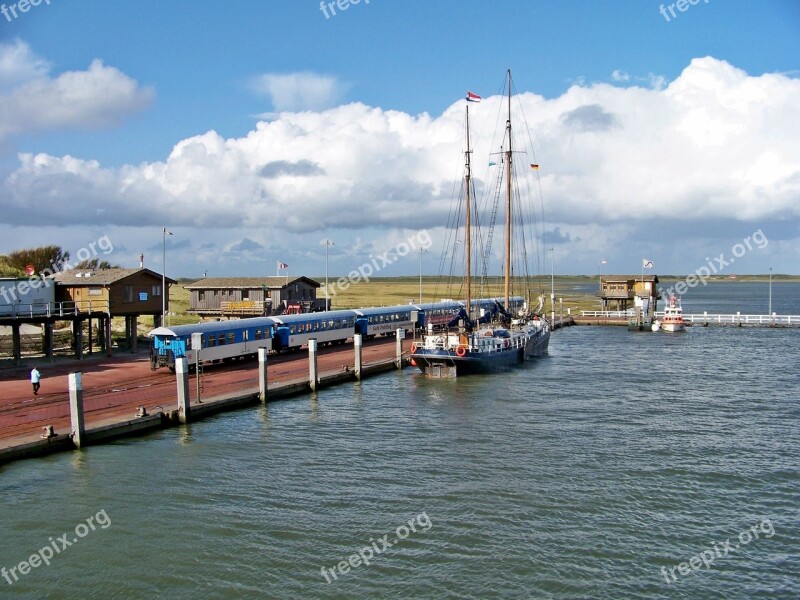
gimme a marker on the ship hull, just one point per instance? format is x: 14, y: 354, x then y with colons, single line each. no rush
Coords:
x: 441, y: 363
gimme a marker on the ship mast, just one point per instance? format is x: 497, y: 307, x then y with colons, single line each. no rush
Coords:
x: 508, y: 204
x: 468, y: 226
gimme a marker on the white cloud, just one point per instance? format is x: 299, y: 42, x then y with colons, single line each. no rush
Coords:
x: 19, y: 64
x: 298, y: 91
x: 33, y: 101
x: 619, y: 75
x: 713, y: 149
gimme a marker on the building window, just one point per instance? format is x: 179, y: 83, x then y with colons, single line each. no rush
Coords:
x: 156, y: 291
x: 245, y: 294
x: 127, y: 294
x: 95, y: 291
x: 201, y: 296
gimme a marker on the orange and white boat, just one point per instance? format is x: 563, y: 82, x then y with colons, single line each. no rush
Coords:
x: 673, y: 316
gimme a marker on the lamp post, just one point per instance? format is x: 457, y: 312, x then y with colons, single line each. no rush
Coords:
x: 553, y: 287
x: 770, y: 292
x: 327, y: 243
x: 164, y: 235
x: 600, y: 283
x: 421, y: 250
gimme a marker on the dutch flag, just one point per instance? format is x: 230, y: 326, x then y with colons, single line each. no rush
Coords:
x: 473, y: 97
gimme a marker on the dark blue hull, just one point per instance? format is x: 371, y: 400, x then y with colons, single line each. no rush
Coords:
x: 441, y: 363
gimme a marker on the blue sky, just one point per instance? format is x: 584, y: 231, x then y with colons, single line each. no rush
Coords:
x: 163, y: 130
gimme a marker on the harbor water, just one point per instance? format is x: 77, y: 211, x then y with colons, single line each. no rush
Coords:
x: 623, y: 465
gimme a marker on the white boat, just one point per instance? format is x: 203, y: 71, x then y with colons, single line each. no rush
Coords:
x: 480, y: 340
x: 673, y: 316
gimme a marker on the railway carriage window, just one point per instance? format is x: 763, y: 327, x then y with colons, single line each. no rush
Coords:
x: 188, y: 343
x: 316, y: 326
x: 258, y: 334
x: 221, y: 339
x: 231, y: 338
x: 167, y: 342
x: 330, y: 324
x: 291, y: 329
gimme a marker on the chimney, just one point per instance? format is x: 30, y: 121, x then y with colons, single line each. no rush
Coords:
x: 141, y: 261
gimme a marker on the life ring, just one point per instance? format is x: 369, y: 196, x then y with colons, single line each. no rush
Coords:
x: 413, y: 347
x: 461, y: 350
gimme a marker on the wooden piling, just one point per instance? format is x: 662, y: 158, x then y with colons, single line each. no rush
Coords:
x: 76, y: 408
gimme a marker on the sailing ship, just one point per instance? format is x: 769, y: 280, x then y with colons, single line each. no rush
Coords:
x: 486, y: 340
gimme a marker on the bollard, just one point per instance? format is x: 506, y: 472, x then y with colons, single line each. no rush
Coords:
x: 262, y: 374
x: 358, y: 344
x: 400, y: 334
x: 76, y: 408
x: 312, y: 365
x: 182, y: 377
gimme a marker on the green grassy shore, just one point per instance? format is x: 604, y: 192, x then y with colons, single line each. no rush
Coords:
x: 579, y: 292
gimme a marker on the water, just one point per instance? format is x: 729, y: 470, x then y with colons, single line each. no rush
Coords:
x: 580, y: 476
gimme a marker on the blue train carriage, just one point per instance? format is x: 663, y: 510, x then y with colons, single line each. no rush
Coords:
x: 487, y: 308
x: 222, y: 341
x: 437, y: 314
x: 294, y: 331
x: 385, y: 320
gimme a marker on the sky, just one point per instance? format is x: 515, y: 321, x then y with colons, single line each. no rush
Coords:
x: 254, y: 130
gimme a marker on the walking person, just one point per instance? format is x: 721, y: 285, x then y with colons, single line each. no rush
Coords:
x: 35, y: 378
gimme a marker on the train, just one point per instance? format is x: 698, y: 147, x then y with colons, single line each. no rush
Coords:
x: 225, y: 341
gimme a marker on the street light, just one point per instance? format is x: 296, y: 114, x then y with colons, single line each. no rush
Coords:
x: 421, y: 250
x: 553, y: 287
x: 327, y: 243
x: 164, y: 235
x: 770, y: 292
x: 600, y: 284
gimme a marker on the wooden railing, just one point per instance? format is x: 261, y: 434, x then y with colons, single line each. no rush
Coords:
x: 242, y: 307
x: 53, y: 309
x: 739, y: 319
x: 702, y: 318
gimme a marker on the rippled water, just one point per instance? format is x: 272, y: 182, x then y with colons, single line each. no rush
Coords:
x: 579, y: 476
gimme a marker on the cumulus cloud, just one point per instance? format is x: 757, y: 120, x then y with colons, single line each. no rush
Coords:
x: 34, y: 101
x: 619, y: 75
x: 301, y: 168
x: 714, y: 145
x: 19, y: 64
x: 591, y: 117
x: 298, y: 91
